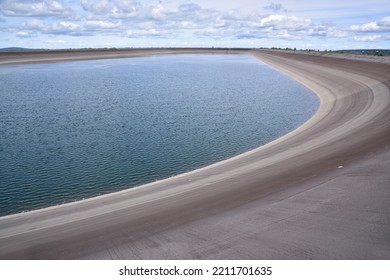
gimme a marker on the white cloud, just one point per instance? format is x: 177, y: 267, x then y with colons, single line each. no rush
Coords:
x: 335, y: 32
x: 23, y: 34
x: 135, y: 19
x: 62, y: 27
x: 275, y: 26
x: 327, y: 31
x: 369, y: 38
x: 275, y: 7
x: 35, y: 24
x: 56, y: 41
x: 32, y: 8
x: 145, y: 33
x: 65, y: 26
x: 175, y: 19
x: 101, y: 24
x: 285, y: 22
x: 112, y: 9
x: 385, y: 22
x: 131, y: 9
x: 97, y: 7
x: 374, y: 26
x: 371, y: 26
x: 158, y: 12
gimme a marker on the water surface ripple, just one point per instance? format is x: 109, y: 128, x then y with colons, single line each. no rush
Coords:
x: 73, y: 130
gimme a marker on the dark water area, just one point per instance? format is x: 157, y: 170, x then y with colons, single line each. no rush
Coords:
x: 74, y: 130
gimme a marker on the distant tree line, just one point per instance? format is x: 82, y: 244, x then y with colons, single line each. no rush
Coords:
x: 363, y: 52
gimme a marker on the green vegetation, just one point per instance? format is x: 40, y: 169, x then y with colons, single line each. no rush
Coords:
x: 378, y: 52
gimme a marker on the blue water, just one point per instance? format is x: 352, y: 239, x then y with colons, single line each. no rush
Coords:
x: 73, y: 130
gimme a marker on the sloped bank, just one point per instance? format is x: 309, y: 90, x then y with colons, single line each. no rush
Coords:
x: 301, y: 196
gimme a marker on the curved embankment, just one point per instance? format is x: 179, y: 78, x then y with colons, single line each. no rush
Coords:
x: 322, y: 191
x: 30, y: 56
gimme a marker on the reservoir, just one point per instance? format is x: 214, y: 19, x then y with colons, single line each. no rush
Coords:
x: 74, y: 130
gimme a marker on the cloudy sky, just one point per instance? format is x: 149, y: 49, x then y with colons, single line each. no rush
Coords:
x: 331, y: 24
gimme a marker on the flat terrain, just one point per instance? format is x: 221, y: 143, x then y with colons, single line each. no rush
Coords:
x: 320, y: 192
x: 29, y: 56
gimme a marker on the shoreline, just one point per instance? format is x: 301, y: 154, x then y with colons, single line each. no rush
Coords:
x: 41, y: 56
x: 353, y: 103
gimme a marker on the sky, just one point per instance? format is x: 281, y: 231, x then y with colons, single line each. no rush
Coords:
x: 323, y: 25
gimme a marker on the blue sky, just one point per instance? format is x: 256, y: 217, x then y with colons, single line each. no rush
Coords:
x: 195, y: 23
